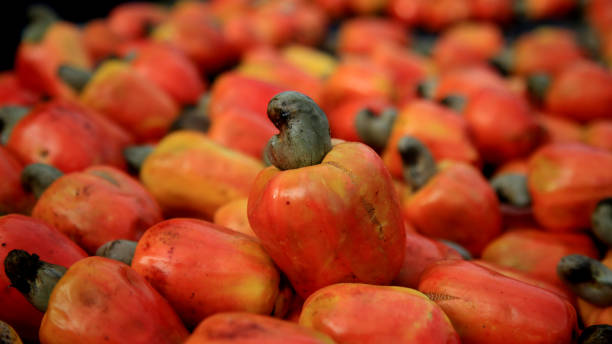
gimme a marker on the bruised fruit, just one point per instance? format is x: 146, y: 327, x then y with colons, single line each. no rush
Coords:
x: 95, y: 291
x: 79, y: 203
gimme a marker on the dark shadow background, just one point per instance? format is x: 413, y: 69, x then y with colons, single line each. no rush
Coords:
x: 13, y: 19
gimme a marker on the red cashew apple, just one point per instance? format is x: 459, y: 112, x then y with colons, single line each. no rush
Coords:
x: 566, y: 181
x: 203, y: 269
x: 248, y: 328
x: 325, y: 215
x: 487, y: 307
x: 67, y: 135
x: 452, y: 193
x: 189, y: 174
x: 536, y: 253
x: 25, y: 233
x: 385, y: 315
x: 97, y: 300
x: 13, y: 197
x: 80, y: 205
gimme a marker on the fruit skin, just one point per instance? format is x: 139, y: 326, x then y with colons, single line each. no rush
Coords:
x: 98, y: 290
x: 386, y: 315
x: 202, y: 269
x: 12, y: 92
x: 189, y: 174
x: 100, y: 40
x: 277, y: 23
x: 26, y: 233
x: 342, y: 117
x: 536, y: 252
x: 492, y: 10
x: 13, y: 198
x: 245, y: 328
x: 357, y: 77
x: 268, y: 64
x: 145, y: 111
x: 524, y: 277
x: 78, y: 204
x: 467, y: 82
x: 559, y: 129
x: 131, y: 21
x: 331, y: 222
x: 421, y: 252
x: 67, y: 135
x: 458, y: 195
x: 501, y: 125
x: 435, y: 15
x: 314, y: 62
x: 239, y: 91
x: 192, y: 29
x: 541, y: 9
x: 467, y: 44
x: 352, y: 32
x: 599, y: 134
x: 171, y: 71
x: 242, y: 130
x: 507, y: 308
x: 443, y: 132
x: 582, y: 92
x: 545, y: 50
x: 566, y: 181
x: 405, y: 67
x: 234, y: 216
x: 36, y: 63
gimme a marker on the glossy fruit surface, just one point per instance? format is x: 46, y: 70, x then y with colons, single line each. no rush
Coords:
x: 98, y: 291
x: 389, y: 314
x: 202, y: 269
x: 26, y: 233
x: 331, y: 222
